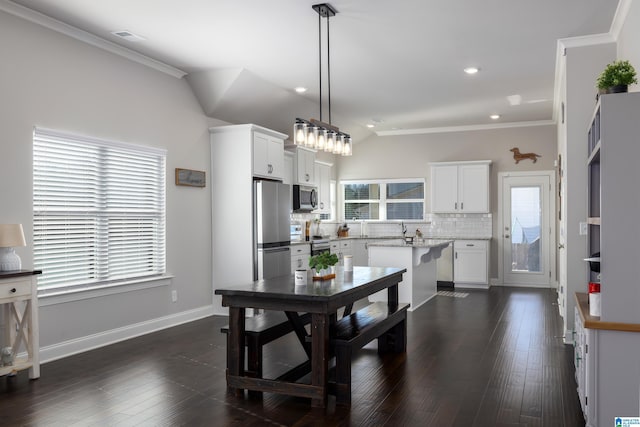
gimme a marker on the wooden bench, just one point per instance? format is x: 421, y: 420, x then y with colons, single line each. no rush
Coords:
x: 260, y: 330
x: 386, y: 322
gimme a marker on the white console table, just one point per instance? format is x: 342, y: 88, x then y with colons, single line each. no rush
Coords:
x: 19, y: 299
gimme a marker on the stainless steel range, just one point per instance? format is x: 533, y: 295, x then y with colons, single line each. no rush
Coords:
x: 320, y: 245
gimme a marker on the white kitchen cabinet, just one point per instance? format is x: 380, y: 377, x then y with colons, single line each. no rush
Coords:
x: 268, y: 156
x: 288, y: 168
x: 300, y: 257
x: 323, y: 182
x: 471, y: 262
x: 360, y: 252
x: 460, y: 187
x: 341, y: 248
x: 304, y: 164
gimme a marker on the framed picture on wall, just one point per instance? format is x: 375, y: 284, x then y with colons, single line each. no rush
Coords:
x: 190, y: 178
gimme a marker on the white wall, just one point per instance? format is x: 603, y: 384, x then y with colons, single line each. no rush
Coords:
x: 629, y: 39
x: 409, y: 156
x: 51, y: 80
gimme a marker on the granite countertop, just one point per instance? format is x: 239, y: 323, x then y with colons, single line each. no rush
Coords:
x: 425, y: 243
x: 426, y: 238
x: 430, y: 238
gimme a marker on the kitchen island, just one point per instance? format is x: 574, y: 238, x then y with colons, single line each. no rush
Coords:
x: 418, y: 258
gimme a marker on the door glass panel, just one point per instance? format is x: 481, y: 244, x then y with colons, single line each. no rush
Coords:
x: 526, y: 222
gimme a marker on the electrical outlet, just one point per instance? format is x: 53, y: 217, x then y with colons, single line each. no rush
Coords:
x: 583, y: 228
x: 174, y: 296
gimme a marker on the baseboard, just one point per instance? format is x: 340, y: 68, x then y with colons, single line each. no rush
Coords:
x: 90, y: 342
x: 471, y: 286
x: 528, y: 285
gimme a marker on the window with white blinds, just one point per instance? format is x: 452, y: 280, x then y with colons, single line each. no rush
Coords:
x: 98, y: 211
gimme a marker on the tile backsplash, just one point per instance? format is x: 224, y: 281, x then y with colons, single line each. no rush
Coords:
x: 434, y: 226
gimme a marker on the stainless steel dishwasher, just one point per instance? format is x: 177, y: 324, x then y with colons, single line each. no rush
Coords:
x: 444, y: 267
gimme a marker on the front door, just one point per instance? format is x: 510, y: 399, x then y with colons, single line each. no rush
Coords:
x: 526, y: 228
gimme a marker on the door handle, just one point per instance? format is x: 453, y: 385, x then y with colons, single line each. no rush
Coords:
x: 506, y: 236
x: 561, y: 246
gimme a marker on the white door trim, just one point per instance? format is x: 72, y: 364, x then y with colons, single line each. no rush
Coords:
x: 553, y: 282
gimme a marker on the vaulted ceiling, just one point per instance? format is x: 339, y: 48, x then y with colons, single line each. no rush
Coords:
x: 397, y: 65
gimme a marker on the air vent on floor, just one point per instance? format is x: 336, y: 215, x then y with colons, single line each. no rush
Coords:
x: 128, y: 35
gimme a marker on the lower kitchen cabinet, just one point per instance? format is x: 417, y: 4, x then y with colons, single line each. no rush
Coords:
x: 300, y: 257
x: 342, y: 248
x: 360, y: 252
x: 584, y: 365
x: 471, y: 262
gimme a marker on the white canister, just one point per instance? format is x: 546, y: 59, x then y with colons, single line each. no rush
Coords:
x: 348, y: 263
x: 301, y: 277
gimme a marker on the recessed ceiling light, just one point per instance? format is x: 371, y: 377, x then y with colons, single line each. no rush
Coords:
x: 301, y: 89
x: 494, y: 116
x: 128, y: 35
x: 371, y: 125
x: 471, y: 70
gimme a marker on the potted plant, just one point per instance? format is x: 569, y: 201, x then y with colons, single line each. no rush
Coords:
x: 616, y: 77
x: 321, y: 265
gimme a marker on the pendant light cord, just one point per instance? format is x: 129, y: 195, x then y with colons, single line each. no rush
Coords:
x: 328, y: 70
x: 320, y: 59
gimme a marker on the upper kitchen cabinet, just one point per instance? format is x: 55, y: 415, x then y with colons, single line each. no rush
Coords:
x: 323, y: 182
x: 268, y: 155
x: 460, y: 187
x: 304, y: 166
x: 288, y: 167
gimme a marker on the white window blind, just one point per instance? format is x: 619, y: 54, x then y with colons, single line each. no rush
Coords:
x: 99, y: 211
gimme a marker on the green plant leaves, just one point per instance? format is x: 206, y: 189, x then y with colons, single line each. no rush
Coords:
x: 323, y: 260
x: 618, y: 73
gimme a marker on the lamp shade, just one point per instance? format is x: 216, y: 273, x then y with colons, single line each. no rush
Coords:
x: 11, y: 235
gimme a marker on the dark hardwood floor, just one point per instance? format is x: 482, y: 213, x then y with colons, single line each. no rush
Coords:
x: 492, y: 358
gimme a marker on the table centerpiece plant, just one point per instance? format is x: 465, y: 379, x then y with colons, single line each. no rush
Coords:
x: 321, y: 265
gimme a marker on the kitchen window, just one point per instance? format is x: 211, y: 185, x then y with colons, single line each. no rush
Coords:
x: 98, y: 211
x: 395, y: 199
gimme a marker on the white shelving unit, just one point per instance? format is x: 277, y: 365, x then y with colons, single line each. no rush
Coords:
x: 608, y: 346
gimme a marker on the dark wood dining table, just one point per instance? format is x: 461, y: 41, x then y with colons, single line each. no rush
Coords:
x: 321, y: 299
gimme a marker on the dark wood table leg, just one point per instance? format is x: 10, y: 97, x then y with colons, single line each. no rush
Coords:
x: 392, y: 295
x: 235, y: 347
x: 320, y: 356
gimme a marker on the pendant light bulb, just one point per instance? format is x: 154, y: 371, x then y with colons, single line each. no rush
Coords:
x: 321, y: 140
x: 347, y: 151
x: 338, y: 149
x: 331, y: 142
x: 300, y: 133
x: 312, y: 133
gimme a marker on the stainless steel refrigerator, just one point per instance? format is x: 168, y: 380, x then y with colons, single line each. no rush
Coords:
x: 271, y: 229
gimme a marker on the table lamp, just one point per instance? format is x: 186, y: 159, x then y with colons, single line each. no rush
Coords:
x: 11, y: 235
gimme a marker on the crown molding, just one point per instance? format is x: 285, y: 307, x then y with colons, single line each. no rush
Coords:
x: 86, y: 37
x: 448, y: 129
x: 571, y: 42
x: 619, y: 18
x: 612, y: 36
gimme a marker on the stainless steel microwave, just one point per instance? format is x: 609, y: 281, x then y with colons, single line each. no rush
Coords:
x: 305, y: 198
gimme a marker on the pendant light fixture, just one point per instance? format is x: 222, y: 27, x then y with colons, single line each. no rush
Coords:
x: 317, y: 134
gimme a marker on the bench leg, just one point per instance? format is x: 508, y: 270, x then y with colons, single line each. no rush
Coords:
x: 343, y: 375
x: 254, y: 361
x: 394, y: 340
